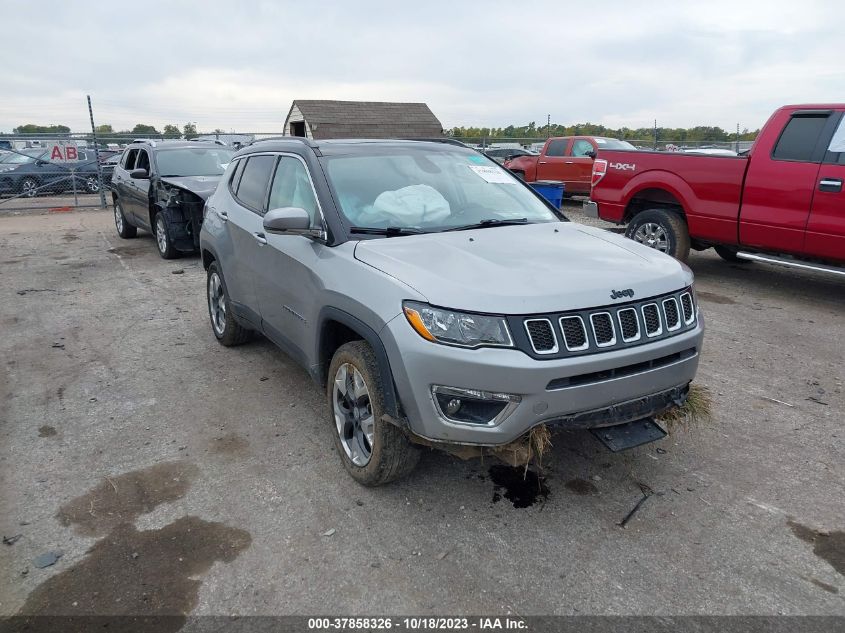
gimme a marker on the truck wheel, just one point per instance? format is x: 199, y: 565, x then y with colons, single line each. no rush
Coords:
x: 662, y: 230
x: 729, y: 255
x: 372, y: 451
x: 162, y: 235
x: 124, y: 229
x: 223, y: 323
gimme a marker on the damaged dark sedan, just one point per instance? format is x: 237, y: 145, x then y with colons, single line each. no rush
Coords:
x: 161, y: 187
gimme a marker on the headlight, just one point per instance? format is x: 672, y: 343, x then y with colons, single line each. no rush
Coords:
x: 457, y: 328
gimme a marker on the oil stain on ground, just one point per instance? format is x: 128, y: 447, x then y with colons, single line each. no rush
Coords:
x: 520, y: 487
x: 230, y: 444
x: 712, y: 297
x: 46, y: 431
x: 140, y: 574
x: 123, y: 498
x: 581, y: 487
x: 829, y: 546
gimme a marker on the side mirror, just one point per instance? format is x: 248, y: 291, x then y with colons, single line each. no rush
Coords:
x: 139, y: 174
x: 290, y: 221
x: 591, y: 154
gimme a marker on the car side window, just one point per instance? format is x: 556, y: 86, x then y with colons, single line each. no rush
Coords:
x: 143, y: 160
x: 799, y: 138
x: 836, y: 149
x: 556, y: 148
x: 252, y: 189
x: 129, y: 159
x: 581, y: 147
x: 235, y: 179
x: 292, y: 188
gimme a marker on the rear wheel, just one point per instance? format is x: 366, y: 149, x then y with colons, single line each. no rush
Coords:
x: 662, y: 230
x: 163, y: 239
x: 92, y: 184
x: 124, y: 229
x: 373, y: 451
x: 223, y: 323
x: 729, y: 255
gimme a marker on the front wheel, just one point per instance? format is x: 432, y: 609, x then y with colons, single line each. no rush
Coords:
x: 662, y: 230
x: 163, y: 239
x: 92, y: 184
x: 29, y: 187
x: 373, y: 451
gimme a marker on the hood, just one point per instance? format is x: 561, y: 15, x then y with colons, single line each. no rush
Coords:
x: 203, y: 186
x: 552, y: 267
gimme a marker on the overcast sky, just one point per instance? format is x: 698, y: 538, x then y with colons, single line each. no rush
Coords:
x: 237, y: 65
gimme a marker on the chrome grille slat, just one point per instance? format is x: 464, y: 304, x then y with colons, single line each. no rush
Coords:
x: 672, y: 314
x: 574, y: 333
x: 603, y: 330
x: 629, y: 324
x: 688, y: 308
x: 542, y: 336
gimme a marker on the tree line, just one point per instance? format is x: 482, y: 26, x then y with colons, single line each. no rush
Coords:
x: 187, y: 131
x: 697, y: 134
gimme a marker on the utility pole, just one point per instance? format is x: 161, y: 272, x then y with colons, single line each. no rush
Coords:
x: 655, y: 134
x: 737, y: 138
x: 548, y: 126
x: 96, y: 155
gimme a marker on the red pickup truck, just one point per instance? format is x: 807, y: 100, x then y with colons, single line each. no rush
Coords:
x: 566, y: 159
x: 782, y: 202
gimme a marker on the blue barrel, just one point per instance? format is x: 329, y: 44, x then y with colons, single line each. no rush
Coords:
x: 551, y: 190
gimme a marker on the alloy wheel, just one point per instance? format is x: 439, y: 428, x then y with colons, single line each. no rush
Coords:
x: 217, y: 304
x: 353, y: 414
x: 30, y: 188
x: 161, y: 234
x: 652, y: 235
x: 118, y: 217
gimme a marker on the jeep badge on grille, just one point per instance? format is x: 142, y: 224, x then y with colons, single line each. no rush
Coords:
x: 618, y: 294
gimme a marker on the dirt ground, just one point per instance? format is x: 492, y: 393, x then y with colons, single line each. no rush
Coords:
x: 173, y: 475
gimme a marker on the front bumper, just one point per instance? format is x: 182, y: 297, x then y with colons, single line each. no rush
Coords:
x: 610, y: 388
x: 591, y: 209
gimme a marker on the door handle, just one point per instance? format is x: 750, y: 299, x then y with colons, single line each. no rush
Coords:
x: 260, y: 238
x: 570, y: 162
x: 222, y: 214
x: 541, y: 162
x: 831, y: 185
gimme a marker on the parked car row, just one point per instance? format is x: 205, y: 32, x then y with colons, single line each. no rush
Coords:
x: 435, y: 297
x: 31, y: 172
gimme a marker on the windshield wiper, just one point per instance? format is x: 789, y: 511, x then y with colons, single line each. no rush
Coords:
x: 488, y: 223
x: 389, y: 231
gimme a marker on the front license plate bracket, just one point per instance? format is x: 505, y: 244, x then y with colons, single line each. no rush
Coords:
x: 624, y: 436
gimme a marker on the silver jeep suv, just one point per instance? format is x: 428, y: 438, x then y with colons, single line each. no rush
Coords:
x: 439, y: 299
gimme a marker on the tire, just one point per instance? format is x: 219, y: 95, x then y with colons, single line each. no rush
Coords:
x: 729, y: 255
x: 225, y: 327
x: 386, y: 453
x: 124, y: 229
x: 662, y: 230
x: 161, y: 232
x: 29, y: 187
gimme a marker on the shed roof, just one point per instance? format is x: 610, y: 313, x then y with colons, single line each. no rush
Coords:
x: 367, y: 119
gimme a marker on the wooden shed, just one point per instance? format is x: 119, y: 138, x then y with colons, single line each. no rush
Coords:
x: 317, y: 119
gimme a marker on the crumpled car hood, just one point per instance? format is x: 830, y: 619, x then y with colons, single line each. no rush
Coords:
x: 527, y: 269
x: 203, y: 186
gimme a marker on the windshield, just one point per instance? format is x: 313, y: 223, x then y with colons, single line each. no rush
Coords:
x: 193, y: 161
x: 17, y: 159
x: 612, y: 143
x: 418, y: 188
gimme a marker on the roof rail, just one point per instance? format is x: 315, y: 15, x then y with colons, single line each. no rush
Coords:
x: 307, y: 141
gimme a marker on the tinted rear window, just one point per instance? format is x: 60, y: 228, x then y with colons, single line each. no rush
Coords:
x: 253, y: 185
x: 799, y: 138
x: 557, y: 148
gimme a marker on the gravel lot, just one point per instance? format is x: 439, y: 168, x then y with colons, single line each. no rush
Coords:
x: 175, y: 475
